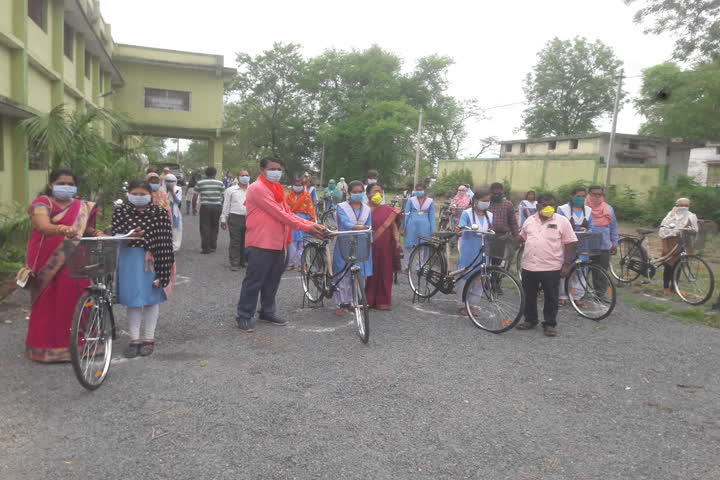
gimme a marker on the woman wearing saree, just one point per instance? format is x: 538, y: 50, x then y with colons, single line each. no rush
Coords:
x: 385, y: 250
x: 55, y: 216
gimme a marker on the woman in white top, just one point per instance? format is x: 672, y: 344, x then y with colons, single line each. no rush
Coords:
x: 527, y: 207
x: 678, y: 217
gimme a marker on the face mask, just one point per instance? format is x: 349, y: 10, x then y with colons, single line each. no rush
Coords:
x: 64, y: 192
x: 244, y: 180
x: 372, y: 181
x: 170, y: 184
x: 154, y: 186
x: 461, y: 192
x: 419, y: 193
x: 376, y: 198
x: 298, y: 188
x: 547, y: 211
x: 273, y: 176
x: 578, y: 201
x: 496, y: 198
x: 594, y: 201
x: 357, y: 197
x: 139, y: 200
x: 682, y: 210
x: 482, y: 206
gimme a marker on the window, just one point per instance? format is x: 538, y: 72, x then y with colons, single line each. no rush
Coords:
x: 37, y: 12
x: 574, y: 144
x: 552, y: 144
x: 633, y: 146
x: 167, y: 99
x: 68, y: 41
x: 508, y: 147
x: 88, y: 64
x: 37, y: 158
x: 523, y: 147
x: 717, y: 150
x: 631, y: 161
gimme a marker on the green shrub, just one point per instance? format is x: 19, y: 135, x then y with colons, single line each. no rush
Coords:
x: 447, y: 185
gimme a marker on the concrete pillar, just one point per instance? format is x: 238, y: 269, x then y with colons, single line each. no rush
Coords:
x: 215, y: 150
x: 19, y: 163
x: 56, y: 11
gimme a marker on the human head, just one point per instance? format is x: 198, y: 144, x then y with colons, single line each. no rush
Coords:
x: 153, y: 178
x: 170, y: 179
x: 166, y: 170
x: 372, y: 176
x: 151, y: 170
x: 342, y: 179
x: 210, y: 172
x: 271, y: 168
x: 579, y: 191
x: 139, y: 187
x: 243, y: 173
x: 682, y: 202
x: 331, y: 182
x: 60, y: 176
x: 373, y: 189
x: 462, y: 189
x: 482, y: 197
x: 298, y: 182
x: 530, y: 196
x: 356, y: 186
x: 546, y: 200
x: 496, y: 192
x: 420, y: 190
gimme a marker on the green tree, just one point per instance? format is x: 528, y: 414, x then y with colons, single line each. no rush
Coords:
x: 681, y: 103
x: 570, y: 88
x: 695, y: 24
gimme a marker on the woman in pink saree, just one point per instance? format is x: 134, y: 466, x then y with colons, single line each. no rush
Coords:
x: 55, y: 216
x: 385, y: 250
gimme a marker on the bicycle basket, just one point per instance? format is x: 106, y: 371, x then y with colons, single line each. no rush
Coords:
x: 354, y: 247
x: 589, y: 243
x: 497, y: 247
x: 692, y: 241
x: 90, y: 258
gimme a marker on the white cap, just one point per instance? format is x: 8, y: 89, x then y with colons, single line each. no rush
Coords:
x: 170, y: 178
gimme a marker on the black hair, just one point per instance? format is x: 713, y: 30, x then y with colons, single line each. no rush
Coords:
x: 497, y: 185
x: 578, y: 189
x: 372, y: 173
x: 420, y: 185
x: 265, y: 160
x: 479, y: 194
x: 151, y: 170
x: 139, y: 183
x: 296, y: 180
x: 370, y: 187
x: 355, y: 183
x: 529, y: 192
x: 596, y: 187
x: 546, y: 196
x: 210, y: 172
x: 57, y: 173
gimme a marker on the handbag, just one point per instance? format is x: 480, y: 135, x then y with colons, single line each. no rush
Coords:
x: 24, y: 276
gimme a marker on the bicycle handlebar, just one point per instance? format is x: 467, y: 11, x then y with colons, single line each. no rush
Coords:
x: 335, y: 233
x: 116, y: 237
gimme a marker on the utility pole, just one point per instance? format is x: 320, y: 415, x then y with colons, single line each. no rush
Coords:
x: 417, y: 148
x: 177, y: 154
x: 322, y: 165
x: 611, y: 146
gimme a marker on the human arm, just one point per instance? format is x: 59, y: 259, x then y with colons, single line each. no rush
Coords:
x: 227, y: 198
x: 613, y: 229
x: 569, y: 253
x: 512, y: 219
x: 263, y: 199
x: 40, y: 220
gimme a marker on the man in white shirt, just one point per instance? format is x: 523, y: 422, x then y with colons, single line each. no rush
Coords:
x: 232, y: 218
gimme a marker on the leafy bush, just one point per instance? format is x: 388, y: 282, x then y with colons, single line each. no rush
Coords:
x: 447, y: 185
x: 14, y: 229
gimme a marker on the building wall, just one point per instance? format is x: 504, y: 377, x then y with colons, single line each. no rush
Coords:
x: 586, y: 146
x: 697, y: 166
x: 5, y: 163
x: 5, y: 78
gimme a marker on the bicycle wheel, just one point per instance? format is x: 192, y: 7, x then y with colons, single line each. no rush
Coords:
x: 629, y: 254
x: 590, y: 291
x: 518, y: 262
x: 91, y: 340
x: 693, y: 279
x: 328, y: 219
x: 313, y: 274
x: 426, y: 269
x: 362, y: 316
x: 494, y: 299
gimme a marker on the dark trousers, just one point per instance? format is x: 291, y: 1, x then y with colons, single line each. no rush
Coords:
x: 209, y: 225
x: 600, y: 283
x: 236, y: 227
x: 550, y: 282
x: 262, y: 276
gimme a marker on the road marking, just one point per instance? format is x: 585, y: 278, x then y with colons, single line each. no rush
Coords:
x: 179, y: 279
x: 321, y: 329
x: 432, y: 312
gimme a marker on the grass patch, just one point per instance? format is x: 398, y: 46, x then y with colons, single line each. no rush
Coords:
x: 688, y: 315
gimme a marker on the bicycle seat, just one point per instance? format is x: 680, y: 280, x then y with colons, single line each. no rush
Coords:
x: 645, y: 231
x: 444, y: 234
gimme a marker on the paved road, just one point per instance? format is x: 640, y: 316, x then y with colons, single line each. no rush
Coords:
x: 430, y: 396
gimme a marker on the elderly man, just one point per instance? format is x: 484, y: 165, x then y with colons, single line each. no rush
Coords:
x: 549, y: 248
x: 233, y: 218
x: 269, y: 223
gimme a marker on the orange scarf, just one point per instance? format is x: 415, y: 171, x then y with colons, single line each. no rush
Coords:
x: 600, y: 211
x: 301, y: 203
x: 275, y: 188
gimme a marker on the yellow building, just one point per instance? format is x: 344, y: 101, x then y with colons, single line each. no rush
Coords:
x: 62, y: 51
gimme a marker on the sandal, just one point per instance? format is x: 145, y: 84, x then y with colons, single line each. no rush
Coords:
x: 132, y: 350
x: 562, y: 303
x: 526, y: 326
x: 462, y: 311
x: 146, y: 349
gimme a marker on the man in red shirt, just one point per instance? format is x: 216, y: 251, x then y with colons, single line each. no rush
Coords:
x: 269, y: 222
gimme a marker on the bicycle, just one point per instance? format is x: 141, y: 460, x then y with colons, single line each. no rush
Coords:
x: 588, y: 286
x: 328, y: 219
x: 93, y: 325
x: 503, y: 299
x: 693, y: 279
x: 320, y: 282
x: 446, y: 221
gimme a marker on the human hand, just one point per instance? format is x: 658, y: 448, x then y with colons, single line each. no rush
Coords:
x: 223, y: 225
x: 564, y: 270
x: 138, y: 234
x: 156, y: 283
x: 70, y: 233
x: 360, y: 227
x: 317, y: 231
x: 613, y: 250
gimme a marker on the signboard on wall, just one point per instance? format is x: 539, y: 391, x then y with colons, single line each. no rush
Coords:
x: 167, y: 99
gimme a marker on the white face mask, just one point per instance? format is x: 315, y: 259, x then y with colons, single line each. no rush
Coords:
x: 372, y: 181
x: 298, y: 188
x: 273, y: 176
x: 682, y: 210
x: 244, y: 179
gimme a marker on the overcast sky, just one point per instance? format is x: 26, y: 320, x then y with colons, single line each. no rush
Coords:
x: 494, y: 44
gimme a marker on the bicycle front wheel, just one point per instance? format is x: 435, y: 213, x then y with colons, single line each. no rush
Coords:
x: 693, y: 279
x: 591, y: 291
x: 362, y: 316
x: 426, y: 269
x: 494, y: 299
x: 328, y: 219
x: 518, y: 262
x: 91, y: 340
x: 628, y: 262
x: 313, y: 272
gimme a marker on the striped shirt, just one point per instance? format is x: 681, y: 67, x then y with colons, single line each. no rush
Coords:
x: 210, y: 191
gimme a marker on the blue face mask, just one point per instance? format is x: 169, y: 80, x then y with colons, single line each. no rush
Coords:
x: 419, y: 193
x: 357, y: 197
x: 298, y: 188
x: 64, y: 192
x: 154, y: 186
x: 139, y: 200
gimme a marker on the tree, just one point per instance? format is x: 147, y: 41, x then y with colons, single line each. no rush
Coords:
x: 488, y: 145
x: 681, y: 103
x: 694, y: 23
x: 570, y: 88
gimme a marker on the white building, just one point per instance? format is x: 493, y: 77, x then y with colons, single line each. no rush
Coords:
x: 704, y: 165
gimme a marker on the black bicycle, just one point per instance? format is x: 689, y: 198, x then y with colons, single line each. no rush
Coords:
x: 493, y: 297
x: 319, y: 281
x: 588, y: 286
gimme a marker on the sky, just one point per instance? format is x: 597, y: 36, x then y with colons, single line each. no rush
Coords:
x: 494, y: 44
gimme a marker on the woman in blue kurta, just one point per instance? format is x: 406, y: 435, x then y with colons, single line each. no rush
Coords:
x: 581, y: 218
x: 351, y: 215
x: 419, y: 221
x: 472, y: 242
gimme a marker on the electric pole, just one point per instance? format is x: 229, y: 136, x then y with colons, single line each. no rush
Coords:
x: 417, y: 148
x: 611, y: 146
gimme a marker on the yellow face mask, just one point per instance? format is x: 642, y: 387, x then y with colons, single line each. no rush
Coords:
x: 376, y: 199
x: 547, y: 211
